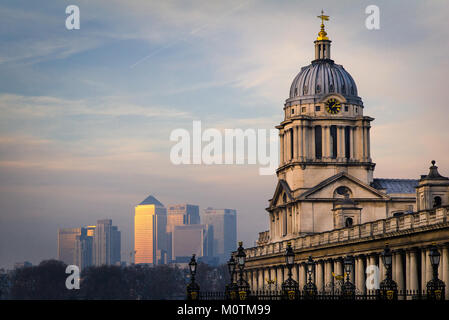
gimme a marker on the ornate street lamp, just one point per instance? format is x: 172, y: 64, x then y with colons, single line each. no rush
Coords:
x: 348, y: 287
x: 310, y: 290
x: 290, y: 288
x: 193, y: 288
x: 231, y: 288
x: 388, y: 287
x: 435, y: 287
x: 242, y: 284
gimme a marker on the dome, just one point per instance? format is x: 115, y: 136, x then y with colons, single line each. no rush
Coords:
x: 320, y: 78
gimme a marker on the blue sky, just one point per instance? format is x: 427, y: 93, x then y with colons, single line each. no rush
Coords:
x: 86, y: 114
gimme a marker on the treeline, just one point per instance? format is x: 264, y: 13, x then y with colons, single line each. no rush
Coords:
x: 135, y: 282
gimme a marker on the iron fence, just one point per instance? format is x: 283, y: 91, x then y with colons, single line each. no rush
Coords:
x: 261, y: 295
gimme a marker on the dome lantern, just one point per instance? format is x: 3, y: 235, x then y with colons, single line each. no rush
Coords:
x: 322, y: 42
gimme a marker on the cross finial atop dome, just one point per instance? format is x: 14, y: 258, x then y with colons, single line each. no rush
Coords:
x: 322, y: 35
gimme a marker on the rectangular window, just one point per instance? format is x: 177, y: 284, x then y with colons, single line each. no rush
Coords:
x: 293, y: 111
x: 347, y: 142
x: 303, y: 109
x: 317, y: 108
x: 346, y: 108
x: 318, y: 143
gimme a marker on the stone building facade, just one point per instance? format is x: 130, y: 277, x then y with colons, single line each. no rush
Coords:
x: 327, y: 202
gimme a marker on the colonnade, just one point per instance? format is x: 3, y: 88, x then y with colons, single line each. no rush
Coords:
x: 297, y: 143
x: 411, y: 270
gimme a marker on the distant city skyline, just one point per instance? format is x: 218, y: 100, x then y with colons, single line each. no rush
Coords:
x: 92, y: 245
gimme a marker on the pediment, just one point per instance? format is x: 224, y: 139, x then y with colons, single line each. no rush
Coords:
x: 282, y: 194
x: 327, y: 189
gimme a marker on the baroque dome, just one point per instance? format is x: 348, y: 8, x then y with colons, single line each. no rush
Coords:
x: 321, y: 78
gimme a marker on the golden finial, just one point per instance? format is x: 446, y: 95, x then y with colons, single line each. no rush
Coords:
x: 322, y: 35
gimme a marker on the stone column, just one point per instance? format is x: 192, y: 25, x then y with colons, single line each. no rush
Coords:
x: 429, y: 270
x: 302, y: 275
x: 253, y: 279
x: 413, y: 275
x: 279, y: 272
x: 363, y: 141
x: 359, y: 142
x: 338, y: 266
x: 327, y: 272
x: 445, y: 276
x: 260, y: 278
x: 340, y: 143
x: 326, y: 142
x: 300, y: 143
x: 361, y: 274
x: 381, y: 270
x: 398, y: 268
x: 272, y: 275
x: 407, y: 270
x: 295, y: 142
x: 281, y: 139
x: 319, y: 275
x: 309, y: 142
x: 423, y: 269
x: 368, y: 143
x: 353, y: 153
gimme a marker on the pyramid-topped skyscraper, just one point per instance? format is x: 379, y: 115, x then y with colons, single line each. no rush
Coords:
x: 150, y: 221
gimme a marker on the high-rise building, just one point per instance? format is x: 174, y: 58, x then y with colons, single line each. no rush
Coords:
x: 116, y: 246
x: 83, y: 250
x: 192, y: 239
x: 102, y: 242
x: 107, y: 243
x: 150, y: 237
x: 178, y: 215
x: 67, y: 243
x: 224, y: 223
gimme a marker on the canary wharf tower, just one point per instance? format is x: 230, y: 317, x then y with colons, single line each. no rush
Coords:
x: 328, y: 203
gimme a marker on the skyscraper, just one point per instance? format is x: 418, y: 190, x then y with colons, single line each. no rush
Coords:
x: 192, y: 239
x: 107, y: 243
x: 116, y: 245
x: 67, y: 243
x: 150, y: 240
x: 178, y: 215
x: 224, y: 222
x: 102, y: 242
x: 83, y: 250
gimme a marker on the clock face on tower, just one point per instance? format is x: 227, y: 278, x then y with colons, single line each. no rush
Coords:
x: 333, y: 106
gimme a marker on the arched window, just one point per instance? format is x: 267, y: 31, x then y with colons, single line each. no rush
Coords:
x: 348, y: 222
x: 318, y: 143
x: 333, y: 141
x: 437, y: 201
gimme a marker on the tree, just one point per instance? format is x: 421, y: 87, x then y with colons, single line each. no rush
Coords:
x: 46, y: 281
x: 104, y: 283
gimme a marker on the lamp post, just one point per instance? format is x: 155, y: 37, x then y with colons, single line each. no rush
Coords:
x: 310, y: 290
x: 290, y: 288
x: 348, y: 286
x: 388, y: 287
x: 193, y: 288
x: 231, y: 288
x: 435, y: 287
x: 242, y: 284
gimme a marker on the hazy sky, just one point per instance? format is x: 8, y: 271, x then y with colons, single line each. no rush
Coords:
x: 85, y: 115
